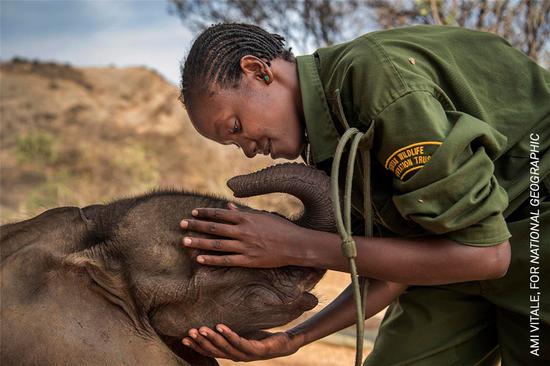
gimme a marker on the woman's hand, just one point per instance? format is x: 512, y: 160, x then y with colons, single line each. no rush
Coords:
x: 254, y: 239
x: 227, y: 344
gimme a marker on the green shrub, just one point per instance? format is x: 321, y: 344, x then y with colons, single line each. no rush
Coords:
x: 37, y: 146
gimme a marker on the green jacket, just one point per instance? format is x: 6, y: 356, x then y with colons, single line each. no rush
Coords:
x: 453, y: 111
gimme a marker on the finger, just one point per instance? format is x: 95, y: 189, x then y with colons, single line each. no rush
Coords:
x: 221, y: 245
x: 221, y: 344
x: 191, y: 344
x: 196, y: 341
x: 217, y: 214
x: 209, y: 227
x: 233, y: 207
x: 234, y: 260
x: 238, y: 342
x: 204, y: 343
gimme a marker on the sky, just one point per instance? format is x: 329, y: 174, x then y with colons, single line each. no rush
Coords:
x: 95, y: 33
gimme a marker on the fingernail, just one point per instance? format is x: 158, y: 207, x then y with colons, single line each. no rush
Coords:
x: 194, y: 212
x: 193, y: 335
x: 200, y: 259
x: 184, y: 224
x: 186, y: 241
x: 186, y: 342
x: 219, y: 329
x: 204, y: 334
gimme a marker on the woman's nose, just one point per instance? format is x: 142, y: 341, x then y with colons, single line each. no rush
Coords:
x: 249, y: 149
x: 250, y: 153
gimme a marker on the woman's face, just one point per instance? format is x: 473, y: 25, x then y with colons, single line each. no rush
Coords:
x: 259, y: 116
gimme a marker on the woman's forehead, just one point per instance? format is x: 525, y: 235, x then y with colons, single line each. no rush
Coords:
x: 209, y: 119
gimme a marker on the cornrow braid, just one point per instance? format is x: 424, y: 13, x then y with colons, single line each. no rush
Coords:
x: 214, y: 58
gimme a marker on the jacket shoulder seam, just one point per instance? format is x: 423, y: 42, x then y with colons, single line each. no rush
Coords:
x: 388, y: 60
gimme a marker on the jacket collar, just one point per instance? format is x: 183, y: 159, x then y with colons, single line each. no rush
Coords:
x: 321, y: 132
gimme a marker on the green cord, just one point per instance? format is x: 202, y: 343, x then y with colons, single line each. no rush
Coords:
x: 349, y: 248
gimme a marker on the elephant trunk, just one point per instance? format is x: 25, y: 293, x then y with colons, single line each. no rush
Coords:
x: 308, y: 184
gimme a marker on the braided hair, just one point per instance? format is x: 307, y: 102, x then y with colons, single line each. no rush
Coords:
x: 214, y: 58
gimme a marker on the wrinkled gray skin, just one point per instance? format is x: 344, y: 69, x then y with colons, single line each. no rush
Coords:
x: 112, y: 285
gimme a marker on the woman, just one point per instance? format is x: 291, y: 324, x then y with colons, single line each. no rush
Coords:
x: 456, y: 114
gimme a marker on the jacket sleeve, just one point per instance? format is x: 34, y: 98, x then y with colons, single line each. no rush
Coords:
x: 441, y: 162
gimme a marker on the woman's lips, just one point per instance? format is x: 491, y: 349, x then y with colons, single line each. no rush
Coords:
x: 267, y: 148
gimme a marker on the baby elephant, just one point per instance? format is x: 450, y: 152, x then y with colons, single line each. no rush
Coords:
x: 112, y: 284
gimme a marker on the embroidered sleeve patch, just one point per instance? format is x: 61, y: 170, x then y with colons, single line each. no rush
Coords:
x: 410, y: 158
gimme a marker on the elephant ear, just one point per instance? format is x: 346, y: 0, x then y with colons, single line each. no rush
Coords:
x: 106, y: 273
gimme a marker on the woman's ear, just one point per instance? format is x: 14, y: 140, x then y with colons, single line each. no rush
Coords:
x: 257, y: 69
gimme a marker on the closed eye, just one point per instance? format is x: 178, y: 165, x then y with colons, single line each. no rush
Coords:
x: 236, y: 127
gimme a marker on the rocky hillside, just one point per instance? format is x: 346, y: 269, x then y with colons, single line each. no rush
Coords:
x: 76, y: 136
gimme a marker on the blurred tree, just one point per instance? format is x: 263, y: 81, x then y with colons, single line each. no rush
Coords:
x: 302, y: 22
x: 524, y: 23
